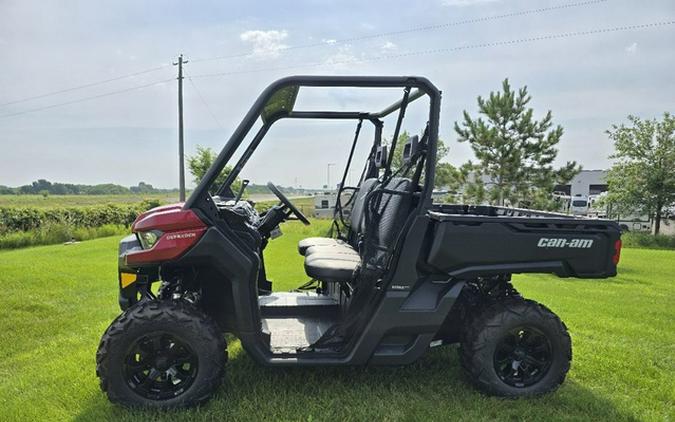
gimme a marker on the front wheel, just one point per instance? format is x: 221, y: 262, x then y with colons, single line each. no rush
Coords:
x: 515, y: 348
x: 161, y: 354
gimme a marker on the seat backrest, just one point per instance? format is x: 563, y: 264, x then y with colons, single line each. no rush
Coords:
x: 356, y: 217
x: 387, y: 211
x: 393, y: 210
x: 385, y: 216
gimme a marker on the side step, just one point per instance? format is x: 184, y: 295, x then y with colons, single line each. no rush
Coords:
x: 287, y: 335
x: 296, y: 304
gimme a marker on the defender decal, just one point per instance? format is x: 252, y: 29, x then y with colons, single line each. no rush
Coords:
x: 181, y: 235
x: 559, y: 242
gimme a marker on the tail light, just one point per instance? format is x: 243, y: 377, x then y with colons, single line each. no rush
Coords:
x: 617, y: 252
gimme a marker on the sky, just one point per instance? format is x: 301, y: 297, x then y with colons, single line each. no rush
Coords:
x: 589, y: 82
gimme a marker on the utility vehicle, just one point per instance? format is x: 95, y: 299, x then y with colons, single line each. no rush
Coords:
x: 399, y: 274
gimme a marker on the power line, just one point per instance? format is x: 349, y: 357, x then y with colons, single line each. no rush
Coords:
x: 206, y: 104
x: 546, y: 37
x: 75, y: 88
x: 415, y: 29
x: 318, y: 44
x: 134, y: 88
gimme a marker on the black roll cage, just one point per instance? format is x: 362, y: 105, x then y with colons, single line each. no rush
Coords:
x: 200, y: 197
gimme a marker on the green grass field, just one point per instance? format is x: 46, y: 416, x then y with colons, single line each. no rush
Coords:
x: 57, y: 300
x: 81, y: 200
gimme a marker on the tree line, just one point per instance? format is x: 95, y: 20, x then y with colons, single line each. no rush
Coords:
x: 45, y: 187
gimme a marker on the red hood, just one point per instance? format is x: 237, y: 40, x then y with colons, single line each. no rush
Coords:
x: 167, y: 218
x: 158, y: 209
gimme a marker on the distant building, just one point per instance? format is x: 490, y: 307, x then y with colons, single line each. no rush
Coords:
x: 585, y: 184
x: 324, y: 204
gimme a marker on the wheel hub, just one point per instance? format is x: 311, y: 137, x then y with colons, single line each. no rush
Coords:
x: 523, y: 357
x: 162, y: 363
x: 160, y: 366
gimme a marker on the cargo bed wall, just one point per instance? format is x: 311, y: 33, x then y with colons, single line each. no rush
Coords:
x: 468, y: 246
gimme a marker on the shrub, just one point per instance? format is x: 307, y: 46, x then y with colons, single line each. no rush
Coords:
x: 16, y: 240
x: 58, y: 233
x: 14, y: 219
x: 647, y: 240
x: 29, y: 226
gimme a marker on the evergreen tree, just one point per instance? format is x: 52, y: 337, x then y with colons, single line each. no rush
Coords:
x: 514, y: 152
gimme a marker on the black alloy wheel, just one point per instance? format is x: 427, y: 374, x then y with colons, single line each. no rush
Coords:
x: 161, y: 354
x: 522, y: 357
x: 514, y: 347
x: 160, y: 366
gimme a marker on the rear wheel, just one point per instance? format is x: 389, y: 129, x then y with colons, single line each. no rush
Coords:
x: 516, y: 347
x: 161, y: 354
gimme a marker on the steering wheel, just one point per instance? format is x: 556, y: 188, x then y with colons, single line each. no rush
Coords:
x: 288, y: 203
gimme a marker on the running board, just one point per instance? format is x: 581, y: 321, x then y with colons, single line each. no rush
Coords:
x: 288, y: 335
x: 296, y: 304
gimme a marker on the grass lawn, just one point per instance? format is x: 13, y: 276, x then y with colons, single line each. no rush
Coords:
x: 305, y: 203
x: 57, y: 300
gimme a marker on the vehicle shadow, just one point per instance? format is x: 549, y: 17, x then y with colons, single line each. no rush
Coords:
x: 430, y: 389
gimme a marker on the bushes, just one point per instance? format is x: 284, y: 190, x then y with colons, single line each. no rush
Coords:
x: 14, y: 219
x: 58, y: 233
x: 29, y: 226
x: 647, y: 240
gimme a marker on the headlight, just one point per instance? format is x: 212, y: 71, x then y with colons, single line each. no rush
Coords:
x: 149, y: 239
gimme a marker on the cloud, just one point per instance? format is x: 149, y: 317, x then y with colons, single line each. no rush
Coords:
x: 266, y: 44
x: 632, y: 48
x: 388, y: 47
x: 344, y: 56
x: 464, y: 3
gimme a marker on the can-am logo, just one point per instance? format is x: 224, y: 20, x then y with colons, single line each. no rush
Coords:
x: 559, y: 242
x: 181, y: 236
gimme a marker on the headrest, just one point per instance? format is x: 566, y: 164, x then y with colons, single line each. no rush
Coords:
x: 410, y: 148
x: 381, y: 156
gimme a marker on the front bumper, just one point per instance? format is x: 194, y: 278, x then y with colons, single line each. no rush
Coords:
x: 132, y: 280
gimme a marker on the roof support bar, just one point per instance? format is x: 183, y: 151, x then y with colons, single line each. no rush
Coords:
x: 327, y: 115
x: 397, y: 131
x: 337, y: 211
x: 392, y: 108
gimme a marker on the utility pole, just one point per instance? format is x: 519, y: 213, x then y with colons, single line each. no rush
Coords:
x: 181, y: 149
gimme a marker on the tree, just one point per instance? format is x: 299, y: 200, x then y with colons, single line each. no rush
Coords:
x: 41, y: 185
x: 643, y: 175
x: 142, y: 188
x: 444, y: 171
x: 514, y: 152
x: 202, y: 161
x: 6, y: 190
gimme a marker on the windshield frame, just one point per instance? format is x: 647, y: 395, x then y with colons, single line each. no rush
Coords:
x: 201, y: 198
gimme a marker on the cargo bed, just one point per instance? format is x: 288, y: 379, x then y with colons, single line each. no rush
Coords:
x: 474, y: 241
